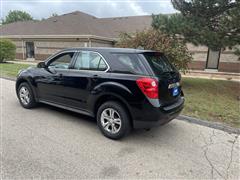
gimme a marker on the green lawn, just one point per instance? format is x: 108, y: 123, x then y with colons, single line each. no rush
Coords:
x: 10, y: 69
x: 212, y: 100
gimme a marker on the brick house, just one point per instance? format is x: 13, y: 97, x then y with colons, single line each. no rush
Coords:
x: 36, y: 40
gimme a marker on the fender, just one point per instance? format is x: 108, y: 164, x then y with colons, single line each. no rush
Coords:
x: 110, y: 85
x: 25, y: 77
x: 113, y: 89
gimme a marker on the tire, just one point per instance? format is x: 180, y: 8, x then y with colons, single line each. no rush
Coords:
x: 120, y: 121
x: 25, y: 102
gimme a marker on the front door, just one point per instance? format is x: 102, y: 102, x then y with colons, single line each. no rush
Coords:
x: 88, y: 71
x: 30, y: 50
x: 213, y: 59
x: 51, y: 82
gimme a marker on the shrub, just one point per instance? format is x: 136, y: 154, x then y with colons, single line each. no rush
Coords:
x: 175, y: 49
x: 7, y: 50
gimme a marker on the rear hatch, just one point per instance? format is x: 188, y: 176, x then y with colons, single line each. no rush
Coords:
x: 168, y: 77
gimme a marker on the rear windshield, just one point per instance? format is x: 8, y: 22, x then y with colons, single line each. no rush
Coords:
x: 159, y: 63
x: 128, y: 64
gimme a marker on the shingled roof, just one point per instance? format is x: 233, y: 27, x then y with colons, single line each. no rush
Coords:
x: 77, y: 23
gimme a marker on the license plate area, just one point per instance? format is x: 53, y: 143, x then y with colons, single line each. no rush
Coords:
x: 174, y: 88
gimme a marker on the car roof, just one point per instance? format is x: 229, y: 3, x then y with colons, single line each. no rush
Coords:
x: 109, y: 50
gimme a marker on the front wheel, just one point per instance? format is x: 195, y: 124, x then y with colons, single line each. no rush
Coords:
x: 25, y: 96
x: 113, y: 120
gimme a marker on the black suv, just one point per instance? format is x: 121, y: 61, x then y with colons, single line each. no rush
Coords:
x: 121, y: 88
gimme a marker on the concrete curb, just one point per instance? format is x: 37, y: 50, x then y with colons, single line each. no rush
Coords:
x: 34, y: 63
x: 8, y: 78
x: 215, y: 125
x: 212, y: 78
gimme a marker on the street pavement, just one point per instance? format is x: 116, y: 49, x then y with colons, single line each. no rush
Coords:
x: 47, y: 142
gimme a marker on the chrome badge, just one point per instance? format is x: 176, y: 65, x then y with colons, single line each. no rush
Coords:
x: 173, y: 85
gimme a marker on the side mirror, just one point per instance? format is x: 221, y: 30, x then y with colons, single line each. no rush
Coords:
x: 41, y: 65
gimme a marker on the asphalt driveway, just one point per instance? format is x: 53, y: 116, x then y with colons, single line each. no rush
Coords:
x: 48, y: 142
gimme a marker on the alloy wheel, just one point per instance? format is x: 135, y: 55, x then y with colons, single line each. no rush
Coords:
x: 24, y: 95
x: 111, y: 120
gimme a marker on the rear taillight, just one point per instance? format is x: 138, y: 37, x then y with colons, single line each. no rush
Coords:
x: 149, y: 87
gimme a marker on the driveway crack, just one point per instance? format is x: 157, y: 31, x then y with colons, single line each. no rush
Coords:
x: 212, y: 166
x: 205, y: 150
x: 231, y: 156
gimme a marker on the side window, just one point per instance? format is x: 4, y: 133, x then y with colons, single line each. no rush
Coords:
x: 88, y: 60
x: 62, y: 61
x: 128, y: 64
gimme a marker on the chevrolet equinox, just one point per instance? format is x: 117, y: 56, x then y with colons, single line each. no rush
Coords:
x: 121, y: 88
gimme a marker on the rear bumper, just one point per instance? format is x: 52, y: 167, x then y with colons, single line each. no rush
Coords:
x: 159, y: 116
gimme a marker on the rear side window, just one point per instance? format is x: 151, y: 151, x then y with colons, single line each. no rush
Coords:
x: 128, y: 64
x: 87, y: 60
x: 159, y: 63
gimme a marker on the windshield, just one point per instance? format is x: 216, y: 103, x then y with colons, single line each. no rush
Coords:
x: 159, y: 63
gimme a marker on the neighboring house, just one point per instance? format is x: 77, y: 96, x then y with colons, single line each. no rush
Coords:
x: 39, y: 39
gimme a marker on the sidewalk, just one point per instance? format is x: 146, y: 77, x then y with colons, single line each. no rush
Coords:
x: 35, y: 62
x: 213, y: 75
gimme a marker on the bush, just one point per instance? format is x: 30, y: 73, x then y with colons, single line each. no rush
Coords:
x: 174, y: 49
x: 7, y: 50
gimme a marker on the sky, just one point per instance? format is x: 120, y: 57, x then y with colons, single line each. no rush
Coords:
x: 100, y: 8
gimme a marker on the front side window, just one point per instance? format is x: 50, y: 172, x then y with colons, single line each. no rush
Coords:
x: 87, y: 60
x: 62, y: 61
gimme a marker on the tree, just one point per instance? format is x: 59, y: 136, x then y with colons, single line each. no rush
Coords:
x: 15, y: 16
x: 174, y: 49
x: 213, y: 23
x: 7, y: 50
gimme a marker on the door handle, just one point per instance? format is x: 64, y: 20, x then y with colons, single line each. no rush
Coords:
x: 95, y: 77
x: 60, y: 75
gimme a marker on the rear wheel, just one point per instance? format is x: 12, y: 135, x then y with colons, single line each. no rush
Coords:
x: 25, y: 96
x: 113, y: 120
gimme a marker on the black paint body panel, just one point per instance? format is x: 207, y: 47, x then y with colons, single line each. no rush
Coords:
x: 81, y: 90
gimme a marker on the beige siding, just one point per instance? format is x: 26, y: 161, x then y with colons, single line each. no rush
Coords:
x: 194, y: 48
x: 18, y: 43
x: 199, y: 56
x: 199, y: 52
x: 50, y: 47
x: 46, y: 51
x: 229, y: 57
x: 19, y: 50
x: 101, y: 44
x: 63, y: 44
x: 46, y: 47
